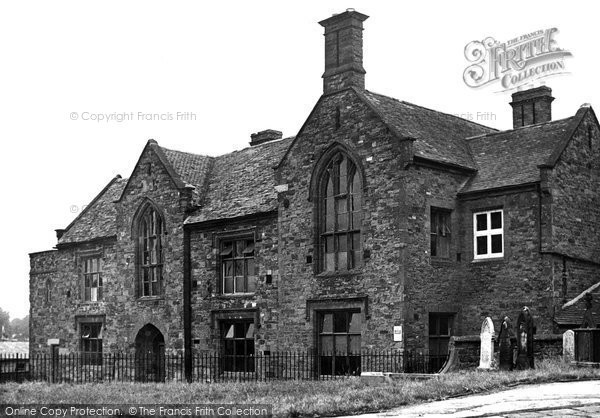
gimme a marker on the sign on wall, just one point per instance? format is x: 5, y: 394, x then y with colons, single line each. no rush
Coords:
x: 398, y: 333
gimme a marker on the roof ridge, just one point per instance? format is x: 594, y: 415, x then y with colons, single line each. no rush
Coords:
x: 433, y: 110
x: 536, y: 125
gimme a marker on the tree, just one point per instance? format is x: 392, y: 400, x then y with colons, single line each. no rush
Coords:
x: 19, y: 329
x: 4, y: 322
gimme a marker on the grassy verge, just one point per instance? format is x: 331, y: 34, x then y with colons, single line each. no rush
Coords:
x: 297, y: 398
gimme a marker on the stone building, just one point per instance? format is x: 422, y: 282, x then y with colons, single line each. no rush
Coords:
x: 381, y: 225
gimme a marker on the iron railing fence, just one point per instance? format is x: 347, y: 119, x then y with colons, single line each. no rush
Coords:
x: 211, y: 367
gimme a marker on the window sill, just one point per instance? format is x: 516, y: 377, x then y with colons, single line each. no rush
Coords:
x: 341, y: 273
x: 149, y: 298
x: 488, y: 260
x: 235, y: 295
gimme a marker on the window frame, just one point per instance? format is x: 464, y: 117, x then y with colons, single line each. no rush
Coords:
x: 88, y: 276
x: 488, y: 233
x: 90, y: 356
x: 148, y: 270
x: 233, y: 361
x: 349, y: 237
x: 345, y: 361
x: 435, y: 213
x: 249, y: 240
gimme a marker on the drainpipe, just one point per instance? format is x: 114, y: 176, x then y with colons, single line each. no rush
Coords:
x: 187, y: 306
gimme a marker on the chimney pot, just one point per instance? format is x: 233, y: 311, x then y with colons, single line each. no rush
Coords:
x: 532, y: 106
x: 265, y: 136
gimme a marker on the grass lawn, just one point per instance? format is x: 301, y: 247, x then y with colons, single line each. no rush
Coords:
x: 296, y: 398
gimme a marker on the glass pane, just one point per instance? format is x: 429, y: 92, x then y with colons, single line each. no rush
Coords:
x: 355, y: 321
x: 356, y: 241
x: 342, y: 242
x: 330, y: 262
x: 249, y: 249
x: 87, y: 294
x: 496, y: 244
x: 481, y: 221
x: 239, y: 248
x: 228, y: 285
x: 228, y: 268
x: 342, y: 205
x: 251, y: 284
x: 229, y: 333
x: 94, y: 264
x: 443, y: 325
x: 356, y: 220
x: 250, y: 267
x: 342, y: 260
x: 94, y: 280
x: 341, y: 344
x: 329, y: 191
x: 356, y: 258
x: 240, y: 329
x: 340, y: 322
x: 155, y: 288
x: 239, y: 267
x: 482, y: 245
x: 496, y: 220
x: 327, y: 323
x: 94, y: 294
x: 444, y: 246
x: 329, y: 214
x: 433, y: 245
x: 240, y: 286
x: 227, y: 250
x: 146, y: 290
x: 250, y: 331
x: 326, y: 345
x: 329, y: 247
x: 342, y: 221
x: 250, y: 347
x: 355, y: 344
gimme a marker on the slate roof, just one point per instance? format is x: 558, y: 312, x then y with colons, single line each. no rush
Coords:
x: 512, y: 157
x: 573, y: 315
x: 192, y: 168
x: 242, y: 183
x: 438, y: 136
x: 97, y: 220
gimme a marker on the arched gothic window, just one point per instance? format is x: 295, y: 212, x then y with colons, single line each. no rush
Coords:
x: 150, y: 232
x: 340, y: 215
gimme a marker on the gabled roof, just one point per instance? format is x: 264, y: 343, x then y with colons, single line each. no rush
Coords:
x: 438, y: 136
x: 572, y: 312
x: 97, y: 220
x: 192, y: 169
x: 242, y: 183
x: 512, y: 157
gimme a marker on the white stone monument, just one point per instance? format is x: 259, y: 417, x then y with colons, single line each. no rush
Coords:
x: 486, y: 353
x: 568, y: 346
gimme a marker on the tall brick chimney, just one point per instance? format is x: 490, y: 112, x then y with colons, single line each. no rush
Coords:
x: 532, y: 106
x: 344, y: 51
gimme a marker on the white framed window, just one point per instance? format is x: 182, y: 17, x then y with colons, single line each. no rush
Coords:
x: 488, y: 234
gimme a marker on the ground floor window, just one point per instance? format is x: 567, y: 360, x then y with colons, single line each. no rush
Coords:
x: 91, y: 342
x: 339, y: 342
x: 237, y: 340
x: 440, y: 330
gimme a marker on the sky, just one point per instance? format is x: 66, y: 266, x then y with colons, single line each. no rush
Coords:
x: 229, y: 69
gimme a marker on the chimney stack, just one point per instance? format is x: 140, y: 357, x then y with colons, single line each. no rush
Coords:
x: 343, y: 51
x: 265, y: 136
x: 532, y: 106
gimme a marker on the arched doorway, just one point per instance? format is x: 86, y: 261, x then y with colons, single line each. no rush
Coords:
x: 150, y: 354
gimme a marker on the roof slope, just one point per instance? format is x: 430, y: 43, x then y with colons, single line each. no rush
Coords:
x: 438, y: 136
x: 512, y: 157
x: 97, y: 220
x: 242, y: 183
x: 192, y: 168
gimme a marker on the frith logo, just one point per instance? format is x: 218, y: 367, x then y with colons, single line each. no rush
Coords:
x: 516, y: 62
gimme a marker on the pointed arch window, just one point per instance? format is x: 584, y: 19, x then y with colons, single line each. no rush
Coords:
x: 150, y: 232
x: 340, y: 215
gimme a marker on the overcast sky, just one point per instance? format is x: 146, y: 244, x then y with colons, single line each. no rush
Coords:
x: 239, y: 67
